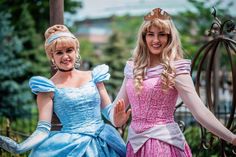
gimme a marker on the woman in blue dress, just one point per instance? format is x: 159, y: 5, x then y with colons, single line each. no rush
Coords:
x: 78, y: 98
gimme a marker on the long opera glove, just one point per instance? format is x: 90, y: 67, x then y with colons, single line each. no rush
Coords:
x: 38, y: 136
x: 108, y: 113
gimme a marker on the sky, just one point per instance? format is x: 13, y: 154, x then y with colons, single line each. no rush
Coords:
x: 104, y: 8
x: 93, y: 9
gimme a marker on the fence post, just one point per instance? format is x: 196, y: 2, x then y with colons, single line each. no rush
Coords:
x: 8, y: 128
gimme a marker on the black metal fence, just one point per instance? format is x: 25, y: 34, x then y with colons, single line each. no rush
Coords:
x: 22, y: 128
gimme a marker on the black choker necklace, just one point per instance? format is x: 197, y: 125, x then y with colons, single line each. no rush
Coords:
x: 62, y: 70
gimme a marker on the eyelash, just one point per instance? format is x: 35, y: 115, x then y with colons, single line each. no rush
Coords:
x: 70, y: 50
x: 160, y: 34
x: 59, y: 53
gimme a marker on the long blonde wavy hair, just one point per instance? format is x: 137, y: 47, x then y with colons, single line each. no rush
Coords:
x: 62, y: 41
x: 171, y: 52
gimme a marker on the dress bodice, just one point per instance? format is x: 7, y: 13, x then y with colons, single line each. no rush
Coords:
x: 153, y: 105
x: 77, y: 108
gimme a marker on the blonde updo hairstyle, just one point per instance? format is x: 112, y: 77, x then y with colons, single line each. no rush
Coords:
x: 50, y: 47
x: 171, y: 52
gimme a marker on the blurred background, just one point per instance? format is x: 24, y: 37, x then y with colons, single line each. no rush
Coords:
x: 107, y: 33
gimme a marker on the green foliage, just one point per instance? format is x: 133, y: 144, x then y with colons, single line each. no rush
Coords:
x: 33, y: 51
x: 38, y: 9
x: 31, y: 19
x: 128, y: 26
x: 193, y: 137
x: 15, y: 95
x: 118, y: 49
x: 26, y: 125
x: 115, y: 54
x: 87, y: 53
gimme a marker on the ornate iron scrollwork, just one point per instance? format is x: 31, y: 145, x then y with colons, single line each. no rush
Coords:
x: 207, y: 55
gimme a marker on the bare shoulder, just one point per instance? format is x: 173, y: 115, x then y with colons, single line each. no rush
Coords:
x: 87, y: 72
x: 84, y: 75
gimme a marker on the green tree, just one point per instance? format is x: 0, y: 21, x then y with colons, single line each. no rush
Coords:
x: 30, y: 19
x: 33, y: 51
x: 118, y: 49
x: 127, y: 26
x: 89, y: 57
x: 115, y: 54
x: 15, y: 95
x: 38, y: 9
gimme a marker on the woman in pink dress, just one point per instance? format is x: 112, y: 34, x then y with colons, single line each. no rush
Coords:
x: 154, y: 77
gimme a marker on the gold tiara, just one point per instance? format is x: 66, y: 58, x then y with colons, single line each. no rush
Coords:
x: 157, y: 13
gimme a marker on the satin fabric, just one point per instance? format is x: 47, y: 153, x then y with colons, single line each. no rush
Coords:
x: 169, y: 133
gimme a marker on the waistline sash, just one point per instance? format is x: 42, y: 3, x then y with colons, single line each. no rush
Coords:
x: 169, y: 133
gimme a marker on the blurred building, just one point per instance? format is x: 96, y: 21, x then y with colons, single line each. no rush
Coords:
x: 93, y: 20
x: 97, y: 31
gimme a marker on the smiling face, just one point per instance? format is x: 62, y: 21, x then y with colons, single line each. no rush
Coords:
x: 64, y: 57
x: 64, y: 54
x: 61, y: 47
x: 156, y: 40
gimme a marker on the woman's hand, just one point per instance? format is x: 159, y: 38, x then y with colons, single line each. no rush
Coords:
x: 120, y: 116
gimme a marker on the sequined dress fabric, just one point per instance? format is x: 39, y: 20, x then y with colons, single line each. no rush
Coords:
x: 154, y: 106
x: 84, y: 134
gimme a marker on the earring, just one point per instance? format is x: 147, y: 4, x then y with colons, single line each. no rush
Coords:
x: 77, y: 61
x: 54, y: 64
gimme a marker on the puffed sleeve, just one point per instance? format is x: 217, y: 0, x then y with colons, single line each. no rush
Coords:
x: 128, y: 70
x: 41, y: 84
x: 100, y: 73
x: 182, y: 66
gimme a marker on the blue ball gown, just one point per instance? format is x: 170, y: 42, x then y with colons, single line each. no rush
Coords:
x: 84, y: 134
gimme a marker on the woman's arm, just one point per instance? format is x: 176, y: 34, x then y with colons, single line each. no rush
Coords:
x: 110, y: 110
x: 45, y: 106
x: 122, y: 102
x: 44, y: 101
x: 122, y: 95
x: 106, y: 106
x: 105, y: 99
x: 202, y: 114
